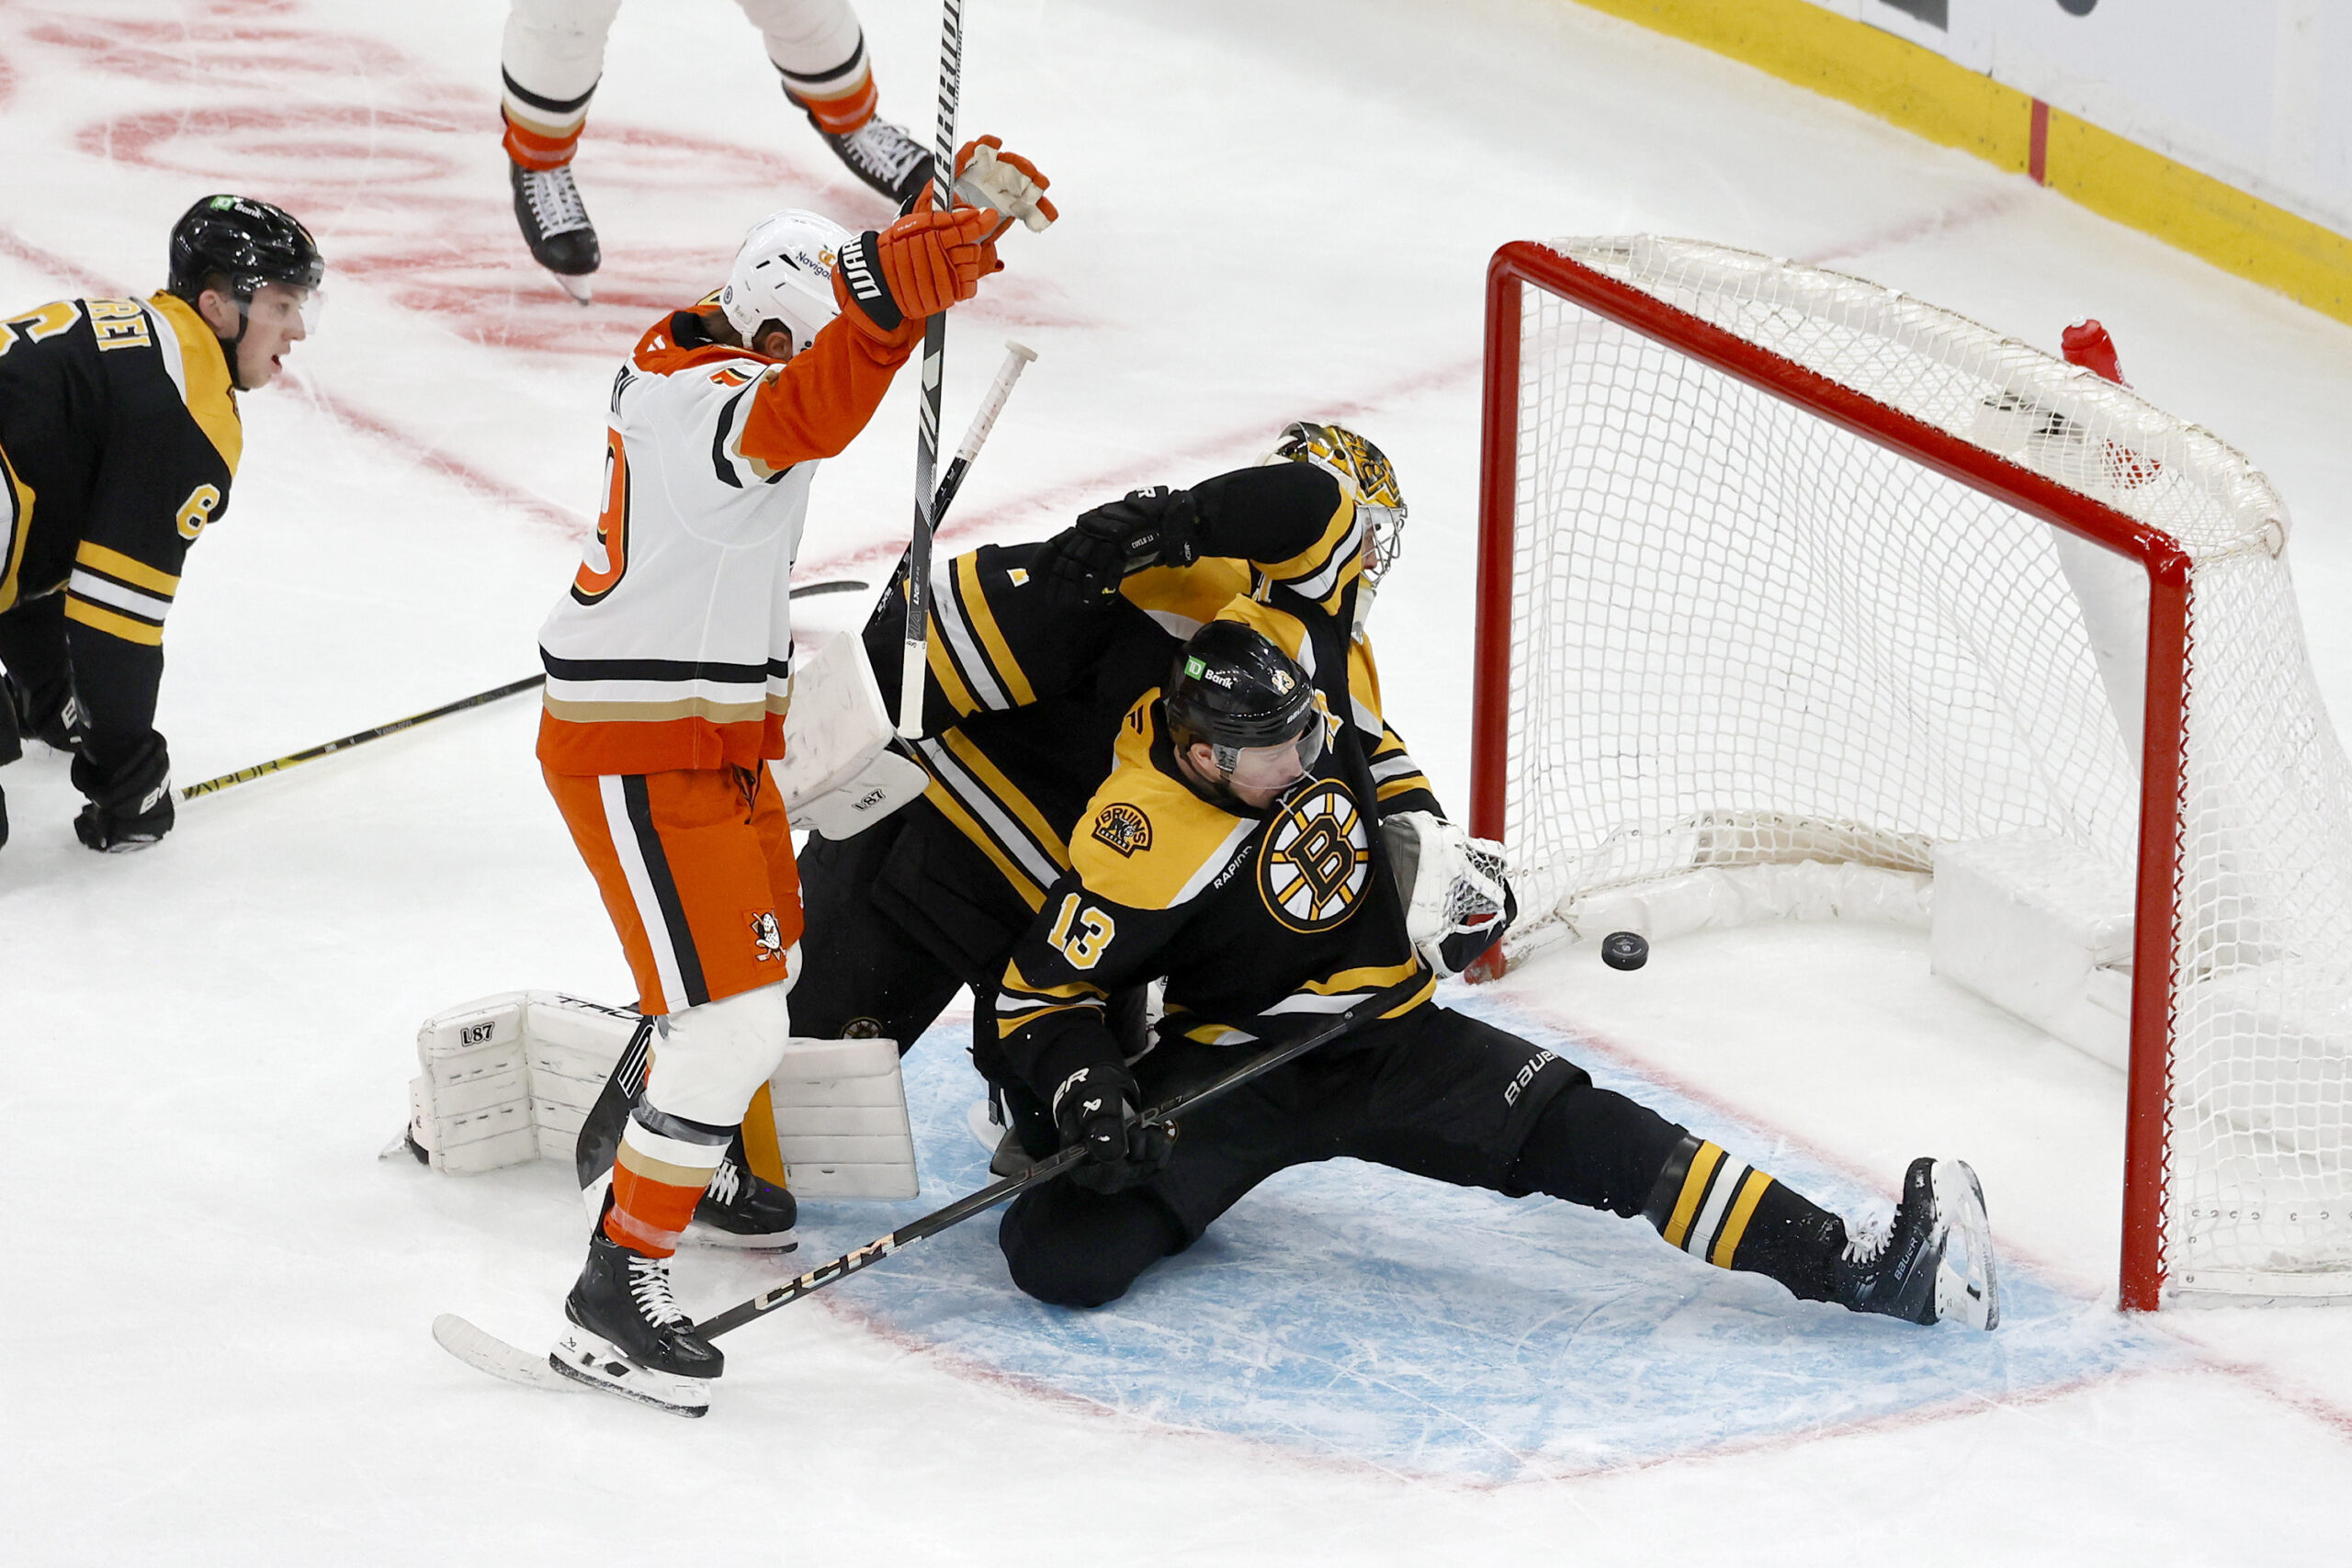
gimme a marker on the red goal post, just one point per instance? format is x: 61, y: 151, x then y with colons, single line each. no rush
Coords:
x: 1705, y: 472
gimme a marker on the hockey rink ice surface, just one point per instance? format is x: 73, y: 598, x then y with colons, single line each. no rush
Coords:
x: 219, y: 1297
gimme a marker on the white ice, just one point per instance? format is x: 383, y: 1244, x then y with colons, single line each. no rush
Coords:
x: 215, y: 1315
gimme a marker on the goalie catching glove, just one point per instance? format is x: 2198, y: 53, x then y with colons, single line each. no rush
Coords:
x: 1094, y: 1110
x: 1457, y: 904
x: 1085, y: 563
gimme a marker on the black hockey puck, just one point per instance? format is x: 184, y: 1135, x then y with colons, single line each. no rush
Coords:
x: 1624, y: 950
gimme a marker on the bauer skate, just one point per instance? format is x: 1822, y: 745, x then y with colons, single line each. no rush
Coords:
x: 555, y: 225
x: 1936, y: 1261
x: 629, y: 1336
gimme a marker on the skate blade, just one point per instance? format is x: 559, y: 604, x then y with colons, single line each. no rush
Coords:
x: 488, y: 1353
x: 1968, y: 1283
x: 582, y: 286
x: 598, y: 1363
x: 700, y: 1235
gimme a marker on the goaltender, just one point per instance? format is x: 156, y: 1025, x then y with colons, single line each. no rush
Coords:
x: 1233, y: 851
x: 119, y: 439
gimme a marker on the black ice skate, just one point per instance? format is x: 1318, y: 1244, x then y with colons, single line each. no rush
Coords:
x: 741, y: 1209
x: 883, y: 157
x: 1936, y: 1261
x: 631, y: 1337
x: 555, y: 225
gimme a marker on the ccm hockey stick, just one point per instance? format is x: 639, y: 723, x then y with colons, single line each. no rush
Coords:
x: 934, y: 367
x: 496, y: 1357
x: 511, y: 688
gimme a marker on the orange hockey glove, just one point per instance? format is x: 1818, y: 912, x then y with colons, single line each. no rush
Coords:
x: 987, y: 176
x: 917, y: 267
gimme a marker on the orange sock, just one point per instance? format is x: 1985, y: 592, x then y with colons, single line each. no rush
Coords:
x: 658, y: 1179
x: 844, y: 115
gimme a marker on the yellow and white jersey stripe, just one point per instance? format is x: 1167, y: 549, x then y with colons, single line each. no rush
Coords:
x: 113, y: 594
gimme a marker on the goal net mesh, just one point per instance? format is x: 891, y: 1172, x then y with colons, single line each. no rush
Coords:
x: 1742, y: 634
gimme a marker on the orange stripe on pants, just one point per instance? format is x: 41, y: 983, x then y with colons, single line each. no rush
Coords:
x: 696, y: 872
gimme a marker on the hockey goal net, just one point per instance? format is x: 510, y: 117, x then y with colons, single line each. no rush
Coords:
x: 1782, y: 573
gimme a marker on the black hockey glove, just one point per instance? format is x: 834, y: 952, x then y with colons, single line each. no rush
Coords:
x: 1095, y: 1109
x: 1085, y: 563
x: 130, y: 805
x: 48, y: 713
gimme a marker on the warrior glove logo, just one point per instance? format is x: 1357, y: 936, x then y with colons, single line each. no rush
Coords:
x: 1123, y: 828
x: 1318, y: 858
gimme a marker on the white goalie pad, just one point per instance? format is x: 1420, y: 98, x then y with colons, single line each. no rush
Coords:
x: 841, y: 1119
x: 1451, y: 881
x: 2037, y: 925
x: 509, y: 1080
x: 838, y: 774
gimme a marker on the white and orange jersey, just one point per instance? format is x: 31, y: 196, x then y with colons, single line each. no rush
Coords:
x: 673, y: 648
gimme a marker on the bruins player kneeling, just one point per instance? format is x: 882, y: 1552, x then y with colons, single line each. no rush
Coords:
x: 1231, y: 852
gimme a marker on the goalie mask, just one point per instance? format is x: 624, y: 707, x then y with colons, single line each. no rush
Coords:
x: 1368, y: 472
x: 1250, y: 703
x: 785, y: 273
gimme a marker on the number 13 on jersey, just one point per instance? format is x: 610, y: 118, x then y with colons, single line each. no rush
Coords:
x: 1082, y: 934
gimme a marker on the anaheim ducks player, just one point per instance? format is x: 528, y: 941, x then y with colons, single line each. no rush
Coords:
x: 553, y: 55
x: 669, y: 665
x: 1037, y: 651
x: 118, y: 441
x: 1231, y: 852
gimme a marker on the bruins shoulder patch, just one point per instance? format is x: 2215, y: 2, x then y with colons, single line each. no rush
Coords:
x: 1123, y: 827
x: 1318, y: 858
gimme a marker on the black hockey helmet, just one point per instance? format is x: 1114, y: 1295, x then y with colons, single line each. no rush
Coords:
x: 1237, y: 692
x: 246, y: 241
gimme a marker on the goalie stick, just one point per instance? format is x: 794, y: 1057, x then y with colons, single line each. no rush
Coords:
x: 511, y: 688
x: 491, y: 1354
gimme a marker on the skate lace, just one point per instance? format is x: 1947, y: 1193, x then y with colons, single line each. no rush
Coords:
x: 882, y: 146
x: 649, y: 1283
x: 555, y: 201
x: 1868, y: 1240
x: 725, y: 1182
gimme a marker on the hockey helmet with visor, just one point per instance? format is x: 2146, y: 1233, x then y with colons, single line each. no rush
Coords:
x: 1249, y: 703
x: 785, y: 273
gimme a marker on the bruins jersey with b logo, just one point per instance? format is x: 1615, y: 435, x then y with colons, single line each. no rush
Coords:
x: 1261, y: 922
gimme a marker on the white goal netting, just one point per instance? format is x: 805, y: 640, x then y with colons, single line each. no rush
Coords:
x: 1743, y: 636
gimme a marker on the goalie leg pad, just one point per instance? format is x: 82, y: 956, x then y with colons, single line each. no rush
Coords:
x: 839, y: 1120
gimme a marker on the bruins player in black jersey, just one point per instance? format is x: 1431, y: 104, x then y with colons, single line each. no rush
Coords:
x: 118, y: 440
x: 1237, y: 851
x: 1037, y: 652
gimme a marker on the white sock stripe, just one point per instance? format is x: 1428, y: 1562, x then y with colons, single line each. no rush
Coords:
x: 1729, y: 1174
x: 641, y: 892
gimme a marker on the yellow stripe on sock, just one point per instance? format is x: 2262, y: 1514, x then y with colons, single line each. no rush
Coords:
x: 1751, y: 1192
x: 1694, y: 1187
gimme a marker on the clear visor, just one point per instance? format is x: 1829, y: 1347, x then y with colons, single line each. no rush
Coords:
x: 1274, y: 767
x: 286, y: 308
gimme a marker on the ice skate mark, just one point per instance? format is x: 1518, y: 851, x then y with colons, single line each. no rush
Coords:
x: 2008, y: 198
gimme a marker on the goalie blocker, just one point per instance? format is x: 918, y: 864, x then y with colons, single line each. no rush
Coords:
x: 513, y: 1077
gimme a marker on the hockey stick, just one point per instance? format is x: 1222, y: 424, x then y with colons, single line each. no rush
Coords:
x: 935, y: 367
x: 1046, y: 1170
x: 511, y: 688
x: 1017, y: 358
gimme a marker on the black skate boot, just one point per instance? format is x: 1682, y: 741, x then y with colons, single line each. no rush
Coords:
x: 1936, y: 1261
x: 555, y: 225
x: 882, y: 155
x: 629, y: 1336
x: 741, y: 1209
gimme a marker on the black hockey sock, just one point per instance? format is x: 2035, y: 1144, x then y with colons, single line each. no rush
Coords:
x: 1721, y: 1209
